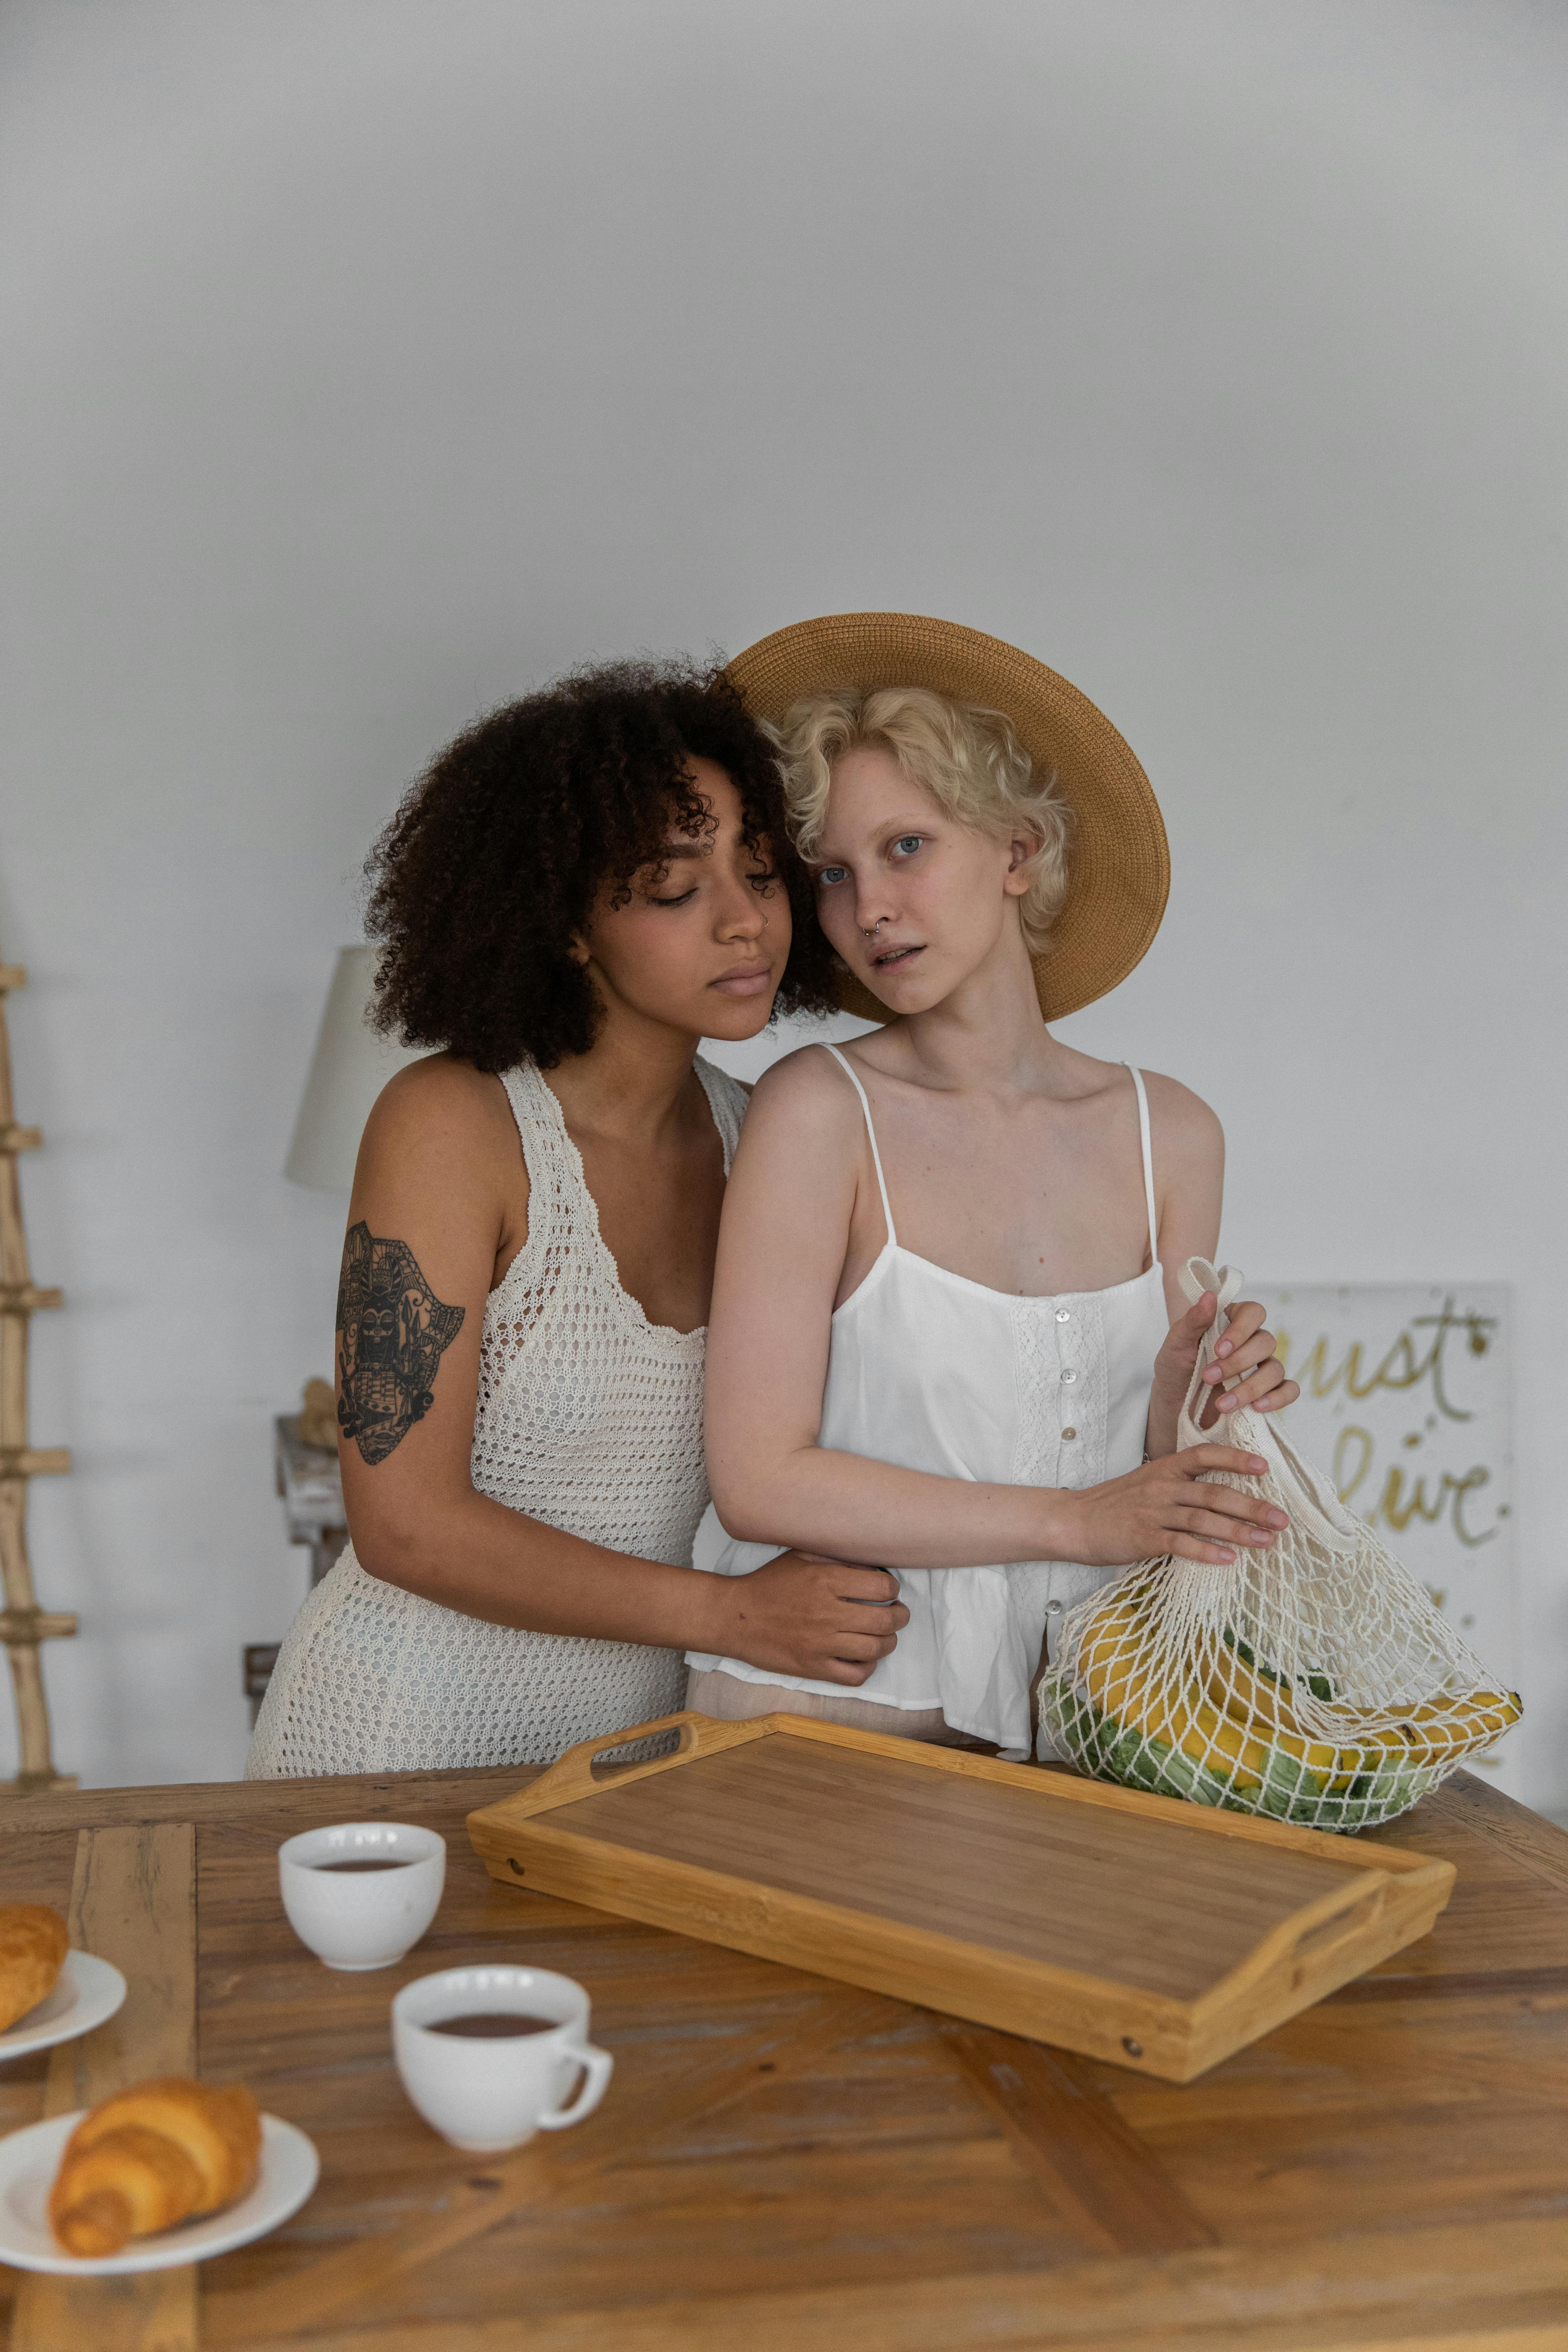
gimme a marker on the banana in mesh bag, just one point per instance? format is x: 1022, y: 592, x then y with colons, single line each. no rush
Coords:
x: 1317, y: 1683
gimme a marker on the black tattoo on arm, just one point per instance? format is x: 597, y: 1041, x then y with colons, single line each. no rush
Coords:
x: 393, y: 1331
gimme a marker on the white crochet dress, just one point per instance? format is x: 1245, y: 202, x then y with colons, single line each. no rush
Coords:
x: 590, y: 1417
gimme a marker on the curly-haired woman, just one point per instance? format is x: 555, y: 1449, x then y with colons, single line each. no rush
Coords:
x: 582, y: 888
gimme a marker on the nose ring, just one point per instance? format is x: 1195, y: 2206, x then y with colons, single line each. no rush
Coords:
x: 875, y: 928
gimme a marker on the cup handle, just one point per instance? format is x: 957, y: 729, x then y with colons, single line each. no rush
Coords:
x: 599, y: 2066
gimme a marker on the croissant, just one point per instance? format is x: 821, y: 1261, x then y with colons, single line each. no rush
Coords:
x: 153, y: 2154
x: 33, y: 1946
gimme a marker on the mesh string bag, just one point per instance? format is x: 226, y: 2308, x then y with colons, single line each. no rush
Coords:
x: 1316, y: 1681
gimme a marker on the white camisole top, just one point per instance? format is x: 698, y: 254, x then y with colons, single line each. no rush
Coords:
x: 931, y: 1371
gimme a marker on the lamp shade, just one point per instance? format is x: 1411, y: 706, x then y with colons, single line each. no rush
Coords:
x: 349, y: 1068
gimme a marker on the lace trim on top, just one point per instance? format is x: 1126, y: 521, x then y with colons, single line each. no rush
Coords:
x: 1046, y: 1349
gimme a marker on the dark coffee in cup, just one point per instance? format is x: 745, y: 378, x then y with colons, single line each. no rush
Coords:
x: 400, y: 1863
x: 493, y: 2024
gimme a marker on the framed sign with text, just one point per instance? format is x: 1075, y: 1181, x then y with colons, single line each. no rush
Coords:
x: 1405, y: 1401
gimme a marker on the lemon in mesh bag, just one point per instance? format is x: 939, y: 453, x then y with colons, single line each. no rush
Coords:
x: 1316, y: 1682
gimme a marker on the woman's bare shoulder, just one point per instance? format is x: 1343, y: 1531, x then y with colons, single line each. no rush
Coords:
x: 1182, y: 1124
x: 808, y: 1082
x: 439, y: 1110
x: 803, y: 1124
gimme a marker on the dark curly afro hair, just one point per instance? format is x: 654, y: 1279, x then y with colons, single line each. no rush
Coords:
x: 496, y: 856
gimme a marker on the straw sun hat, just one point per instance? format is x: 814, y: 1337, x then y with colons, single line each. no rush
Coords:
x: 1118, y: 866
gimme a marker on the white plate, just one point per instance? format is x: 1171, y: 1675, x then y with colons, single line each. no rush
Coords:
x: 29, y: 2161
x: 88, y: 1990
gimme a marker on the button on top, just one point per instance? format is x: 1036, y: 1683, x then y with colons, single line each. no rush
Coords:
x: 1064, y: 1314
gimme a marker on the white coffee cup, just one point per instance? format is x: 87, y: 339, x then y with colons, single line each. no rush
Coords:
x: 368, y: 1915
x: 488, y: 2095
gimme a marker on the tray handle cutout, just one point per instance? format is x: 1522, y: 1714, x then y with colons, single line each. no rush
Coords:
x: 592, y: 1766
x: 1312, y: 1942
x: 1320, y: 1940
x: 652, y: 1748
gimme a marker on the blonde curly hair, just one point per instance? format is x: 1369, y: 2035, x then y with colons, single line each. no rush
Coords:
x: 970, y: 761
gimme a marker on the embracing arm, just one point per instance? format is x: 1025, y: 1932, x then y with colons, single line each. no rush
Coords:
x: 438, y: 1197
x: 782, y: 1248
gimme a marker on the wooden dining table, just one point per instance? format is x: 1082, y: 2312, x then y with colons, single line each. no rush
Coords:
x: 787, y: 2164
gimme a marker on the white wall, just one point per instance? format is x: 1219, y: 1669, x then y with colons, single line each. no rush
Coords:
x: 368, y: 359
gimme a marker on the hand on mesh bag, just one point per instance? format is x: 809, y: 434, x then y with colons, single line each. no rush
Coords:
x: 1244, y: 1354
x: 1162, y: 1508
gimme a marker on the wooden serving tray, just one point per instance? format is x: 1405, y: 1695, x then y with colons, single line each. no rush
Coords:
x: 1156, y: 1933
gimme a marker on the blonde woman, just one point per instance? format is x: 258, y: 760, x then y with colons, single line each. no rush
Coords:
x: 945, y: 1333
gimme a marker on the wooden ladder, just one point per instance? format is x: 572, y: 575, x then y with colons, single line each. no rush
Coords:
x: 23, y: 1624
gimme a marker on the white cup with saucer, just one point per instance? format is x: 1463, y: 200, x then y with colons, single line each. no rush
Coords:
x: 362, y: 1893
x: 490, y: 2055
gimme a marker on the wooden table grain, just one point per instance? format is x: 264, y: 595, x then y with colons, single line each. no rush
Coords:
x: 784, y: 2164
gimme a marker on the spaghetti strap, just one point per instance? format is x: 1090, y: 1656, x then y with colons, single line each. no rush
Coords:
x: 1137, y: 1078
x: 875, y: 1155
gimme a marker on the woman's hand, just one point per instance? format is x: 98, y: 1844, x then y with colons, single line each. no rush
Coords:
x: 1163, y: 1508
x: 800, y: 1614
x: 1246, y: 1349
